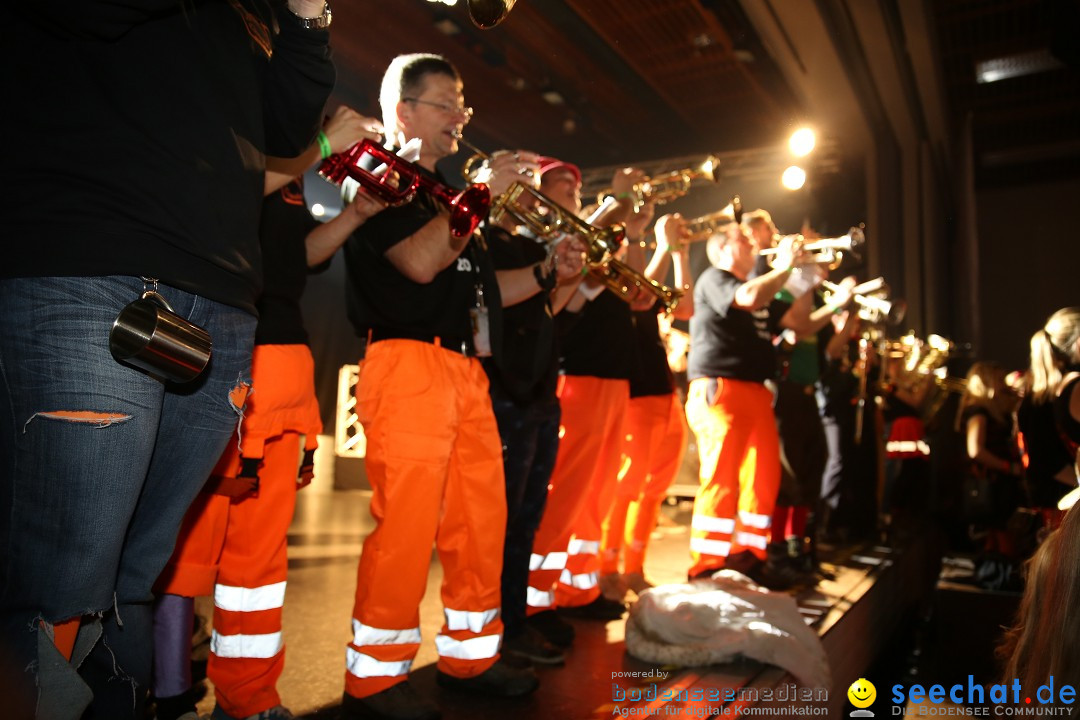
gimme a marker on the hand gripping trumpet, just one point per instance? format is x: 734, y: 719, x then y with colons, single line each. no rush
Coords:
x: 397, y: 180
x: 479, y: 163
x: 669, y: 186
x: 620, y: 278
x: 877, y: 308
x: 827, y: 250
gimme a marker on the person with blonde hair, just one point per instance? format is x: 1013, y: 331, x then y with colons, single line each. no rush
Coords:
x: 1050, y: 408
x: 1042, y: 644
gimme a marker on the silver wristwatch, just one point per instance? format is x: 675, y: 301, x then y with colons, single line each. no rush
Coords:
x: 316, y: 23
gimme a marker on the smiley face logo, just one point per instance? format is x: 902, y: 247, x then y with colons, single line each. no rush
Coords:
x: 862, y: 693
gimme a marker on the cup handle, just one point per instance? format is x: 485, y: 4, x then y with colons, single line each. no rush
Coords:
x: 157, y: 297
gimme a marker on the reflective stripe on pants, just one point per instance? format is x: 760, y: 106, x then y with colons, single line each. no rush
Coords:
x: 740, y: 468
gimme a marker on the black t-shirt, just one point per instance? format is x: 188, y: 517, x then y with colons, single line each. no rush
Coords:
x: 1046, y: 451
x: 999, y: 434
x: 379, y: 297
x: 1066, y: 425
x: 726, y: 341
x: 653, y: 375
x: 527, y: 369
x: 161, y: 163
x: 598, y: 341
x: 283, y: 229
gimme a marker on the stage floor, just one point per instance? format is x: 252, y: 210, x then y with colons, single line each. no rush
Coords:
x: 853, y: 613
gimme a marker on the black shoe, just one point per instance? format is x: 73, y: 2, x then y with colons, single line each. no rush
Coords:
x: 601, y: 608
x: 531, y: 645
x: 744, y: 562
x: 175, y: 707
x: 781, y: 572
x: 499, y: 680
x: 553, y: 628
x: 397, y: 702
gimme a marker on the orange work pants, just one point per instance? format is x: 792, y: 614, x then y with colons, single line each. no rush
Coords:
x: 740, y: 470
x: 565, y: 562
x: 235, y: 547
x: 434, y: 460
x: 654, y: 446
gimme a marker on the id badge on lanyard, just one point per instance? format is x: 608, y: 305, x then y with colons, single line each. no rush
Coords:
x: 478, y: 315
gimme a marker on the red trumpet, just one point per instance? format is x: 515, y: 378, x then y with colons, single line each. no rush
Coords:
x: 398, y: 180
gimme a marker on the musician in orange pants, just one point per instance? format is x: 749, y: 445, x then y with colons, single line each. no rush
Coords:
x: 655, y: 432
x: 232, y: 543
x: 728, y: 406
x: 597, y: 356
x: 428, y: 301
x: 655, y: 427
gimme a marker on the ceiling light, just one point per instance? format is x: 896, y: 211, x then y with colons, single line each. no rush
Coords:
x: 447, y: 27
x: 553, y: 97
x: 451, y: 3
x: 801, y: 142
x: 1011, y: 66
x: 703, y: 40
x: 793, y: 178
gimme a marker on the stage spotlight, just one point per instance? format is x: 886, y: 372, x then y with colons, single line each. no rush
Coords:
x: 801, y: 142
x: 793, y: 178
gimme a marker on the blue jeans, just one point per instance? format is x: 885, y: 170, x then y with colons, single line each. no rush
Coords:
x: 530, y: 437
x: 99, y: 464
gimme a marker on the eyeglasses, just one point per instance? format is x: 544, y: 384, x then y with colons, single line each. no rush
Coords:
x: 448, y: 109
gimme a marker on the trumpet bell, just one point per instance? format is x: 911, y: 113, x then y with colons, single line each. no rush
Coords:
x: 487, y: 14
x: 662, y: 189
x: 702, y: 228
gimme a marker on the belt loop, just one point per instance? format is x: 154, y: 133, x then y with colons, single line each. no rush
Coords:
x: 437, y: 341
x: 369, y: 336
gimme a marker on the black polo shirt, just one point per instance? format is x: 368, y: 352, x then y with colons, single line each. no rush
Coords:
x: 282, y: 233
x: 527, y: 369
x: 379, y: 297
x: 653, y: 374
x: 598, y: 341
x: 726, y: 341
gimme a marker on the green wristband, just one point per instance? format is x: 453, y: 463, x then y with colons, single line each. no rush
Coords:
x: 324, y: 145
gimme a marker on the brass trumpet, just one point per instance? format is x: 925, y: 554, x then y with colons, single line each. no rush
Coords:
x: 625, y: 282
x: 550, y: 222
x: 877, y: 308
x: 478, y: 166
x: 704, y: 227
x: 665, y: 188
x: 851, y: 242
x: 401, y: 180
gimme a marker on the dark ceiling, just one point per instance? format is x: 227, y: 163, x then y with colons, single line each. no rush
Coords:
x: 625, y: 80
x: 607, y: 82
x: 1026, y: 127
